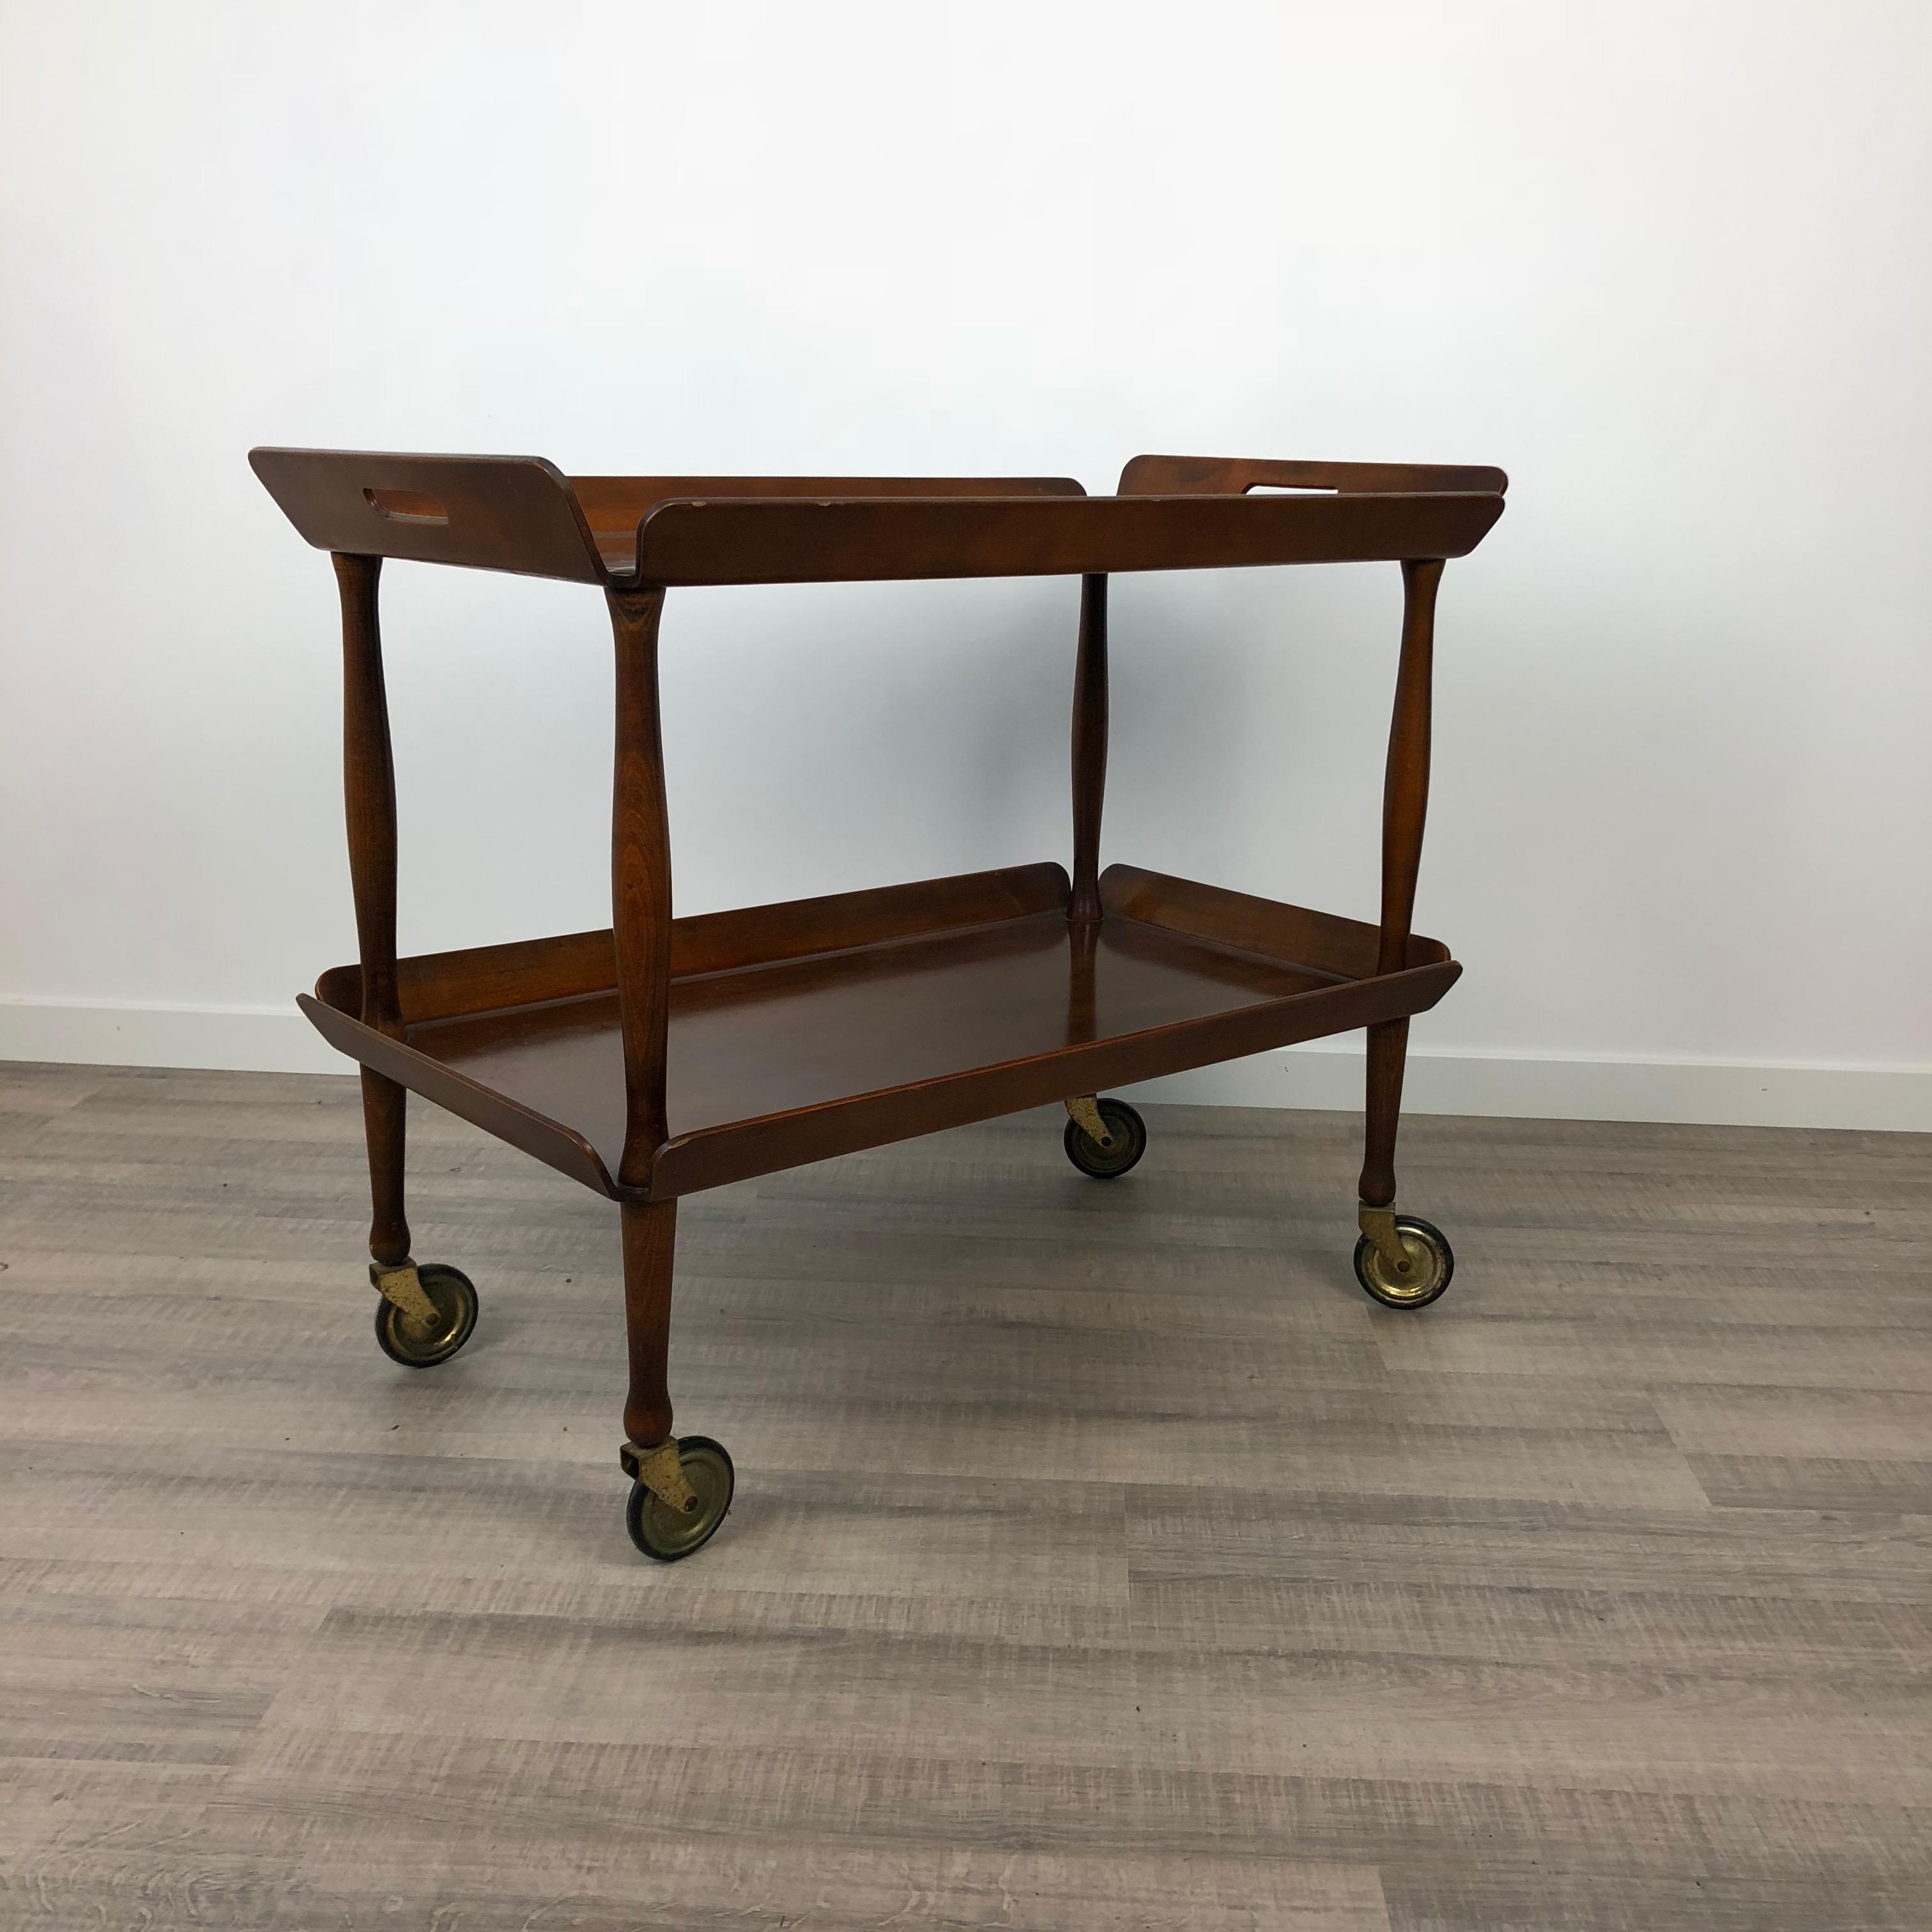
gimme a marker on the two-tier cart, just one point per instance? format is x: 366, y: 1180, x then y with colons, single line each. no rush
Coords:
x: 665, y: 1055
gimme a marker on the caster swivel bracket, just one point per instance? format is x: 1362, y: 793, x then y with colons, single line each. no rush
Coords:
x: 1085, y: 1109
x: 661, y: 1472
x: 402, y: 1286
x: 1379, y: 1224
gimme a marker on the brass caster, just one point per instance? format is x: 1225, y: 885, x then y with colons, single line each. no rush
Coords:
x: 1402, y: 1261
x: 1104, y: 1138
x: 425, y: 1314
x: 679, y: 1492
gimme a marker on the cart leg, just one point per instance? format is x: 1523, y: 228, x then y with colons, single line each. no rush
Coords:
x: 650, y: 1241
x: 384, y: 1115
x: 1388, y: 1051
x: 1090, y: 751
x: 426, y: 1314
x: 680, y: 1490
x: 1401, y: 1261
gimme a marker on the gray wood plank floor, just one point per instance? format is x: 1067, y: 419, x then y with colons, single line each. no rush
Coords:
x: 1101, y: 1557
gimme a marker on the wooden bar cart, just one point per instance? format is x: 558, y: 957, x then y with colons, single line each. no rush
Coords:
x: 665, y: 1055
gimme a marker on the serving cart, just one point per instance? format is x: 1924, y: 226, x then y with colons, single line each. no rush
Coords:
x: 665, y: 1055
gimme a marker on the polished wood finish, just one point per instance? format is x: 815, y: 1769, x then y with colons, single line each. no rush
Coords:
x: 1089, y: 748
x: 650, y: 1240
x: 751, y: 542
x: 369, y: 796
x: 480, y: 979
x: 552, y: 1141
x: 1101, y: 1557
x: 666, y: 1057
x: 555, y: 975
x: 1234, y: 475
x: 613, y: 506
x: 640, y: 881
x: 522, y: 513
x: 1405, y: 784
x: 722, y: 942
x: 1345, y: 949
x: 1405, y: 809
x: 369, y: 790
x: 932, y: 1034
x: 887, y: 1013
x: 385, y: 1128
x: 1387, y: 1056
x: 485, y: 979
x: 513, y: 513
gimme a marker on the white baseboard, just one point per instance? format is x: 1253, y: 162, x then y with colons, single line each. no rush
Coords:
x: 1719, y: 1093
x: 1521, y: 1086
x: 246, y: 1039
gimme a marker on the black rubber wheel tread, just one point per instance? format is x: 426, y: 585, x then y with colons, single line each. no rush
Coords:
x: 1129, y: 1131
x: 1427, y: 1244
x: 403, y: 1342
x: 661, y: 1533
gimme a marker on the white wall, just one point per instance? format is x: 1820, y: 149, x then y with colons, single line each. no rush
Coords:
x: 1668, y: 264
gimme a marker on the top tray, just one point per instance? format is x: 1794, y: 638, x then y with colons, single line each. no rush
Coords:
x: 522, y: 514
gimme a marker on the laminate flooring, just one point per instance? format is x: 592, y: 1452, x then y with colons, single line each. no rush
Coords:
x: 1101, y: 1556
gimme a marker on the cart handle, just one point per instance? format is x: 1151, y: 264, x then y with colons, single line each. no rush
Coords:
x: 1235, y: 475
x: 513, y: 513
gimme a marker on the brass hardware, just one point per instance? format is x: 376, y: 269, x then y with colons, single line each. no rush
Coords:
x: 661, y: 1472
x: 414, y: 1340
x: 401, y: 1286
x: 1085, y: 1110
x: 665, y: 1530
x: 1424, y: 1270
x: 1379, y: 1224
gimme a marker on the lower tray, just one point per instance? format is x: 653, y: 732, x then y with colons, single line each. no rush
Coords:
x: 804, y: 1030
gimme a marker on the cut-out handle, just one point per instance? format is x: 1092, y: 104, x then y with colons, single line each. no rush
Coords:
x: 406, y: 506
x: 1290, y: 490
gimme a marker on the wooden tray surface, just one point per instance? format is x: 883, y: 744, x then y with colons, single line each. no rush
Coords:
x: 897, y: 1033
x: 522, y: 513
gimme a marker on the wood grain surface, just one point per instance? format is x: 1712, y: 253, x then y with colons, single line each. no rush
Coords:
x: 522, y: 513
x: 1101, y: 1557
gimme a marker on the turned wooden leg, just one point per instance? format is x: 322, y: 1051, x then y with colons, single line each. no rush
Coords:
x: 680, y: 1489
x: 1090, y: 751
x: 650, y: 1239
x: 1401, y: 1261
x: 1388, y: 1048
x: 425, y: 1314
x: 384, y: 1114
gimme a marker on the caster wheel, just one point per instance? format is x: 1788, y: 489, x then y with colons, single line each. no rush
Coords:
x: 1430, y: 1265
x: 418, y: 1345
x: 1129, y: 1132
x: 667, y: 1534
